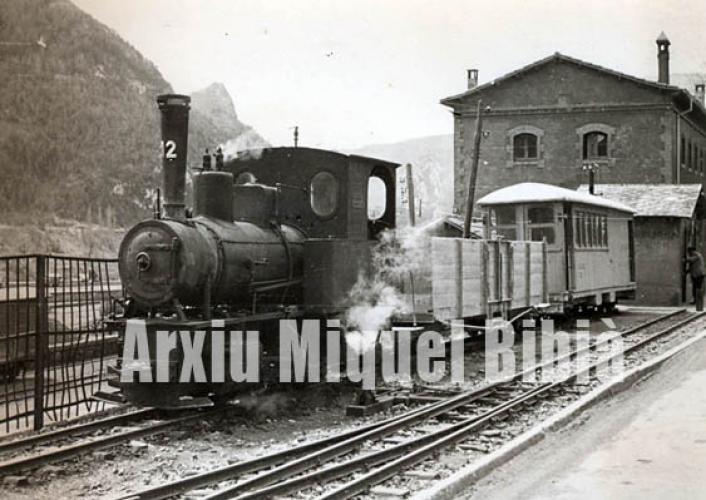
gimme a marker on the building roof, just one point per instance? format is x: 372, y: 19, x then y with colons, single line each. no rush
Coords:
x: 652, y: 200
x: 558, y: 57
x: 456, y: 222
x: 534, y: 192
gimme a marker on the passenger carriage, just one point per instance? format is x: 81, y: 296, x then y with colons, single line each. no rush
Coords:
x: 590, y: 249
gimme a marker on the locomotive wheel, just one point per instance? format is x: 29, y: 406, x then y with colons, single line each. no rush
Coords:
x: 609, y: 307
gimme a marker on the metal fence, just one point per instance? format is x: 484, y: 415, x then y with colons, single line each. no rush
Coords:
x: 53, y: 342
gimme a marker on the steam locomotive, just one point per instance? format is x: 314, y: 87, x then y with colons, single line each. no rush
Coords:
x: 286, y: 233
x: 277, y: 233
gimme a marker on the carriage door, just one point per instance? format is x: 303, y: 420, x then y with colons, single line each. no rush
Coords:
x: 543, y: 222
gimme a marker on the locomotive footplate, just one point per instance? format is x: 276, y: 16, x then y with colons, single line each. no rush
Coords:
x: 165, y: 387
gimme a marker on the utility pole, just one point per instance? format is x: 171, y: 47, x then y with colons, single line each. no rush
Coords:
x: 470, y: 198
x: 296, y: 137
x: 410, y: 194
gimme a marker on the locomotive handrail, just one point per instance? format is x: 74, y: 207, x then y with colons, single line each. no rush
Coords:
x: 197, y: 324
x: 276, y: 285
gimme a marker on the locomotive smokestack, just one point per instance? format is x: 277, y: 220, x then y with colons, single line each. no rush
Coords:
x: 174, y: 109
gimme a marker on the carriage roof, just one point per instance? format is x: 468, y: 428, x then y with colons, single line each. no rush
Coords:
x: 535, y: 192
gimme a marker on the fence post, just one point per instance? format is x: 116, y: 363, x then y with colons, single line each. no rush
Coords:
x: 40, y: 340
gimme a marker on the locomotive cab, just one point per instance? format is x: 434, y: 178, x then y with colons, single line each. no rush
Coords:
x: 340, y: 202
x: 323, y: 193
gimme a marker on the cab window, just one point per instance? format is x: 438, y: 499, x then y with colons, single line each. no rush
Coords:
x: 377, y: 198
x: 323, y: 194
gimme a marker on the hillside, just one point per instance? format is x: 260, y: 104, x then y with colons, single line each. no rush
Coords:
x: 432, y: 165
x: 79, y: 130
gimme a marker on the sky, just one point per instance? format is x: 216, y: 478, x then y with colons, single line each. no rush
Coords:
x: 350, y: 73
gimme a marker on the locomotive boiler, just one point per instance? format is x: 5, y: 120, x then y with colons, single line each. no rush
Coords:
x: 185, y: 265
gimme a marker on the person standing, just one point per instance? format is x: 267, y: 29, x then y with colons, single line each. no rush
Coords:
x: 695, y: 268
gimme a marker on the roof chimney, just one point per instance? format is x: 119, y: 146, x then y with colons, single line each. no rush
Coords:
x: 699, y: 91
x: 472, y: 78
x: 663, y: 58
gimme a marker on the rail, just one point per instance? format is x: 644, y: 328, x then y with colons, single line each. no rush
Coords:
x: 329, y: 459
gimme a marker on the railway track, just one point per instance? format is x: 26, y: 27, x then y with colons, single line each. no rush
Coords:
x: 68, y: 442
x: 350, y: 463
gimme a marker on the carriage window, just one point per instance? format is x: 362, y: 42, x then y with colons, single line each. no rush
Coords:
x: 507, y: 232
x: 245, y: 178
x: 599, y: 231
x: 540, y: 220
x: 503, y: 219
x: 541, y: 233
x: 504, y: 215
x: 591, y: 230
x: 578, y: 225
x: 377, y: 198
x: 541, y: 214
x: 323, y: 194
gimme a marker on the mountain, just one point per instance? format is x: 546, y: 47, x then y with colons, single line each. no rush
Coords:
x: 432, y: 167
x: 79, y: 127
x: 214, y: 121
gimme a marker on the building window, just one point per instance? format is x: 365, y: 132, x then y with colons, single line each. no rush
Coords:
x: 695, y: 158
x: 524, y: 147
x: 689, y: 163
x: 682, y: 151
x: 595, y: 145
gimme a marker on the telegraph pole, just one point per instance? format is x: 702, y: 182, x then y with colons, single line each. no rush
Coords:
x: 470, y: 198
x: 410, y: 194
